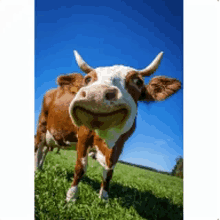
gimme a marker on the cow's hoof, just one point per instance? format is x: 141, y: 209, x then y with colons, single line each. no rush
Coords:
x: 72, y: 194
x: 103, y: 195
x: 71, y: 200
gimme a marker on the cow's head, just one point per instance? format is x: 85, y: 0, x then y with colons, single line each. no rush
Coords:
x: 107, y: 102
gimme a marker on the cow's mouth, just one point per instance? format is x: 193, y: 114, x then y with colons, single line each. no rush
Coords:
x: 100, y: 121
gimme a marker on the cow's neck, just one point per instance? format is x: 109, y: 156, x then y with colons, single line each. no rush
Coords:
x: 112, y: 135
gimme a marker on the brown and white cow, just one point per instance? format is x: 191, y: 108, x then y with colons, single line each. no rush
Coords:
x: 104, y: 110
x: 55, y: 128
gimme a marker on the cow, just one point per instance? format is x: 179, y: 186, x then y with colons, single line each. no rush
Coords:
x: 55, y: 128
x: 104, y: 111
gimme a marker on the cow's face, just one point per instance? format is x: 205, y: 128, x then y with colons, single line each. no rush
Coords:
x: 107, y: 102
x: 104, y: 101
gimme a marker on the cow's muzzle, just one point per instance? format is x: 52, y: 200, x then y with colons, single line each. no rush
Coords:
x: 99, y: 107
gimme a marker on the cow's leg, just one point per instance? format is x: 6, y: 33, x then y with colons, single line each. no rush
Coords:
x: 84, y: 140
x: 40, y: 139
x: 39, y: 154
x: 58, y: 150
x: 45, y: 151
x: 42, y: 150
x: 111, y: 158
x: 107, y: 158
x: 107, y: 176
x: 80, y: 169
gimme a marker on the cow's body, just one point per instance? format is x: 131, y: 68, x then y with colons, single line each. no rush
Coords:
x: 55, y: 128
x: 104, y: 111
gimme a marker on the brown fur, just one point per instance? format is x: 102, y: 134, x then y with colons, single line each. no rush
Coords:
x: 85, y: 140
x: 91, y: 75
x: 160, y: 88
x: 134, y: 90
x: 55, y: 111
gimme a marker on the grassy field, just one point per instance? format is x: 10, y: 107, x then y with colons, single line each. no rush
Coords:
x: 134, y: 193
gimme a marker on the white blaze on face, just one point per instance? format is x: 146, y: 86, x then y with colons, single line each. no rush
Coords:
x: 115, y: 77
x: 112, y: 76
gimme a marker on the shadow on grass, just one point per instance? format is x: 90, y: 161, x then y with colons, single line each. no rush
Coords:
x: 145, y: 203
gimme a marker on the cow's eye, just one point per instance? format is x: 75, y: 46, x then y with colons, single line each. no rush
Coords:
x: 88, y: 79
x: 138, y: 82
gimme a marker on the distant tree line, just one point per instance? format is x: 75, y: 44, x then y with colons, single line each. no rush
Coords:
x: 178, y: 168
x: 143, y: 167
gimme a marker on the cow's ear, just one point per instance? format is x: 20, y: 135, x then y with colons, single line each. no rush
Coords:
x: 75, y: 78
x: 160, y: 88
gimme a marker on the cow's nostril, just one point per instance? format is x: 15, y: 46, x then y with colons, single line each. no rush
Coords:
x: 110, y: 95
x: 83, y: 94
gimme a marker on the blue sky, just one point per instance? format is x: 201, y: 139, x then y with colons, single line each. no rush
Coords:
x: 109, y: 33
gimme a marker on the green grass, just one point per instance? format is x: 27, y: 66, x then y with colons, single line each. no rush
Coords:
x: 134, y: 193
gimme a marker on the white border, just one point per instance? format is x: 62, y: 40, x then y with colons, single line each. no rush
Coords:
x: 201, y: 109
x: 17, y: 109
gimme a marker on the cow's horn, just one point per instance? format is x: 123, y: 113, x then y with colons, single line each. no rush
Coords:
x: 150, y: 69
x: 82, y: 64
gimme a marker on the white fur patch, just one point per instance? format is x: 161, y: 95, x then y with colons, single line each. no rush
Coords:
x: 70, y: 143
x: 72, y: 194
x: 50, y: 141
x: 103, y: 194
x: 84, y: 162
x: 110, y: 136
x: 101, y: 158
x: 92, y: 154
